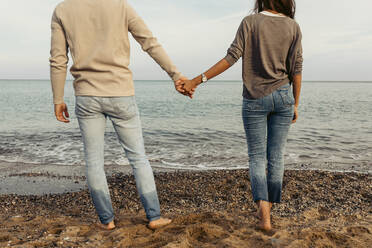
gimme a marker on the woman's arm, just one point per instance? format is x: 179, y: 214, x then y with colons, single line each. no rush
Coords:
x: 214, y: 71
x: 297, y: 80
x: 234, y: 53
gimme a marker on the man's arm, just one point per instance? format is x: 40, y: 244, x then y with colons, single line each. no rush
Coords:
x: 58, y: 67
x: 58, y: 59
x: 142, y: 34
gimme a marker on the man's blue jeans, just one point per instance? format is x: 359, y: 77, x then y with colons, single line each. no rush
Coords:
x: 266, y: 122
x: 123, y: 112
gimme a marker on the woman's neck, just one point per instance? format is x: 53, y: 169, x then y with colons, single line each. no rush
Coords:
x: 271, y: 11
x: 274, y: 12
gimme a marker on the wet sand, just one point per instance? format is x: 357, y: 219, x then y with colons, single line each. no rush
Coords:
x: 210, y: 209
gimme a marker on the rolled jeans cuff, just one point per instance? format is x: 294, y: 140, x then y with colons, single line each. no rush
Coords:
x: 154, y: 218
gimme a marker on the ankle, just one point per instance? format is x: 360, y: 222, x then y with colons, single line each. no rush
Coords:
x: 110, y: 225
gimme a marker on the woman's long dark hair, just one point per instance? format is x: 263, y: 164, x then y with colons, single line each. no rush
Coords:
x: 286, y: 7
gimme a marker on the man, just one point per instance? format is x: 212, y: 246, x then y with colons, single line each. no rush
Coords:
x: 96, y: 34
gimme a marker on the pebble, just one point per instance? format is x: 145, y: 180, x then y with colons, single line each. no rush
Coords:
x: 215, y: 190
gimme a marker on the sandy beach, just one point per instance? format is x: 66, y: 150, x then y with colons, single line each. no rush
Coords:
x: 210, y: 209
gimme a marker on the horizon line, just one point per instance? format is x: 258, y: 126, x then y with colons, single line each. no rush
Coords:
x: 218, y: 80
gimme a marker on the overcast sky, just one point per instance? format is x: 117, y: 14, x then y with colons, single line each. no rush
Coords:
x: 337, y: 37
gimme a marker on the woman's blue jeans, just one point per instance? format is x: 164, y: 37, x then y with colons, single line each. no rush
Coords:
x: 123, y: 112
x: 266, y: 122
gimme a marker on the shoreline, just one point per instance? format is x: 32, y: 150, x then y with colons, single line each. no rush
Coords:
x: 39, y: 179
x: 209, y: 208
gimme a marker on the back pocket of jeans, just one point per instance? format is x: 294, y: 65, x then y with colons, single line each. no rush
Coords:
x: 253, y: 104
x: 126, y: 108
x: 287, y: 96
x: 86, y: 107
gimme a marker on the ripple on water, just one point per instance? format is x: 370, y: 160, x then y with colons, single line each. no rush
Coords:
x: 204, y: 133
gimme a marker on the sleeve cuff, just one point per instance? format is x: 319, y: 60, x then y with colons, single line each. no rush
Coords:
x: 177, y: 76
x: 58, y: 101
x: 58, y: 81
x: 230, y: 59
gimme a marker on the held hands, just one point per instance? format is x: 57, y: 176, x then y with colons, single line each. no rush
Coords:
x: 186, y: 87
x: 183, y: 86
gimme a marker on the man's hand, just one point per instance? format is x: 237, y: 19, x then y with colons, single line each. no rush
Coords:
x: 61, y: 112
x: 180, y: 87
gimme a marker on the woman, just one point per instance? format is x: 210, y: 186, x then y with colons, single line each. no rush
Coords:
x: 270, y: 43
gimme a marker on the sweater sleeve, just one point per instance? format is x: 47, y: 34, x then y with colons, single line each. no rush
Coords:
x: 237, y: 47
x: 299, y: 58
x: 142, y: 34
x: 58, y: 59
x: 295, y: 59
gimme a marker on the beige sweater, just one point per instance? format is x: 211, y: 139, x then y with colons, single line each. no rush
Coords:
x: 96, y: 34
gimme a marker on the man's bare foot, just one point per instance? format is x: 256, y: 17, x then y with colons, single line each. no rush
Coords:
x: 107, y: 227
x: 155, y: 224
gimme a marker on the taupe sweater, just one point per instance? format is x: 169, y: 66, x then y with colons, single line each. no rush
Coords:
x: 96, y: 34
x: 271, y: 50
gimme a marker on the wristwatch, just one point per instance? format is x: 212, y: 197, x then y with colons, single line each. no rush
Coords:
x: 204, y: 78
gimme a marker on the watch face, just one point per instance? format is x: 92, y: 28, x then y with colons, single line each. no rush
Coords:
x: 204, y: 78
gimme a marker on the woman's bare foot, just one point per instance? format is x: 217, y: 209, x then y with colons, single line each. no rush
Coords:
x: 155, y: 224
x: 264, y: 214
x: 258, y: 214
x: 107, y: 227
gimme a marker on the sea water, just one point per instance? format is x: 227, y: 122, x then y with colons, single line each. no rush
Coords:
x: 334, y: 130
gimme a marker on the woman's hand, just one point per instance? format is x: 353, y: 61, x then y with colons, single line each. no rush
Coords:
x: 180, y: 87
x: 295, y: 115
x: 190, y: 86
x: 297, y: 80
